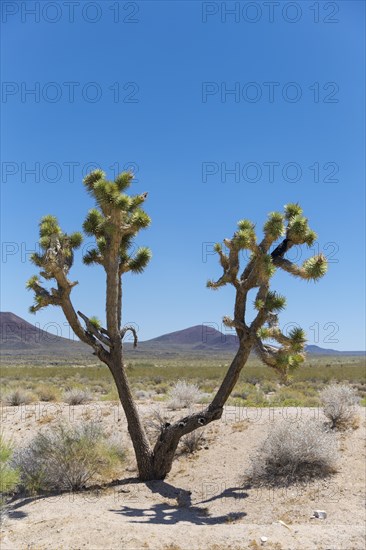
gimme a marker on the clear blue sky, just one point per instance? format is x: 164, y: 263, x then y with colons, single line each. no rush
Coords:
x: 148, y: 84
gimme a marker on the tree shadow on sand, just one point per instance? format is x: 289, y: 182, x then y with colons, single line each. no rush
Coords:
x: 166, y: 513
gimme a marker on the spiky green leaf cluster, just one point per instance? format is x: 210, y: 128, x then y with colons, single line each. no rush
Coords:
x: 310, y: 237
x: 75, y: 240
x: 315, y: 267
x: 92, y: 178
x: 138, y: 263
x: 124, y: 180
x: 116, y: 214
x: 32, y: 283
x: 91, y: 257
x: 245, y: 225
x: 94, y: 223
x: 297, y: 335
x: 298, y: 230
x: 49, y: 226
x: 95, y: 322
x: 139, y: 220
x: 292, y: 210
x: 287, y: 362
x: 274, y: 301
x: 264, y: 333
x: 57, y: 247
x: 245, y: 237
x: 297, y: 339
x: 274, y: 227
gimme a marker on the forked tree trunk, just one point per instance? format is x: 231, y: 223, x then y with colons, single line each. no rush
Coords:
x: 156, y: 463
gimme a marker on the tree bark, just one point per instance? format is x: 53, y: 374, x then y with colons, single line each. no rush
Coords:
x: 136, y: 430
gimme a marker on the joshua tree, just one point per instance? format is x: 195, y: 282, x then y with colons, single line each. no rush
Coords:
x: 114, y: 223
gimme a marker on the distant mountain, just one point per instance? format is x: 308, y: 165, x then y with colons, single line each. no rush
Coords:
x: 199, y: 337
x: 18, y: 337
x: 316, y: 350
x: 209, y: 339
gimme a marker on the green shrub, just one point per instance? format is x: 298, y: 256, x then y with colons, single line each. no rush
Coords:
x: 47, y: 393
x: 67, y: 458
x: 268, y: 387
x: 9, y: 477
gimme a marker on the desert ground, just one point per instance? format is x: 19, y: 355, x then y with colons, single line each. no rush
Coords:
x: 203, y: 503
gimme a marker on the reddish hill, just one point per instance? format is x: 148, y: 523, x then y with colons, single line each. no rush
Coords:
x: 198, y: 337
x: 18, y: 337
x: 16, y: 334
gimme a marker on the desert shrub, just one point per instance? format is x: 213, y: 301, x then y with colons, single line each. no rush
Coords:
x: 9, y: 477
x: 294, y: 452
x: 192, y: 442
x: 339, y: 405
x: 184, y: 395
x: 268, y: 387
x: 251, y: 395
x: 161, y: 388
x: 18, y: 397
x: 252, y: 378
x: 67, y: 458
x: 242, y: 391
x: 77, y: 397
x: 102, y: 389
x: 47, y: 393
x: 141, y: 394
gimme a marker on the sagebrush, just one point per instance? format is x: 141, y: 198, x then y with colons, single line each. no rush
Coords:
x: 340, y: 405
x: 192, y: 442
x: 77, y: 397
x: 18, y: 397
x: 68, y: 458
x: 294, y: 452
x: 184, y: 395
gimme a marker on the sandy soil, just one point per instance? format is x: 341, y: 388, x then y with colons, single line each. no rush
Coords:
x: 202, y: 504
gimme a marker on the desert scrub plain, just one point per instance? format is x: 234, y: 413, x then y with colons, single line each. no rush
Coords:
x: 209, y: 493
x: 153, y: 379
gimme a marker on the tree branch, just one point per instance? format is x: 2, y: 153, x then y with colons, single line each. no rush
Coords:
x: 265, y: 352
x: 281, y: 249
x: 290, y: 267
x: 277, y: 335
x: 131, y: 329
x: 233, y: 323
x: 95, y: 332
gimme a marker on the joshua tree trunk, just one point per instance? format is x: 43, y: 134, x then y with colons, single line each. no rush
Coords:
x: 141, y: 445
x: 156, y: 463
x: 114, y: 224
x: 166, y: 446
